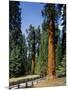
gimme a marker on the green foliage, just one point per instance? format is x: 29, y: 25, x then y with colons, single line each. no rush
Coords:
x: 30, y: 44
x: 51, y: 11
x: 31, y: 38
x: 58, y: 53
x: 15, y: 17
x: 33, y: 44
x: 63, y: 63
x: 64, y: 30
x: 17, y: 45
x: 37, y: 41
x: 17, y: 59
x: 41, y: 66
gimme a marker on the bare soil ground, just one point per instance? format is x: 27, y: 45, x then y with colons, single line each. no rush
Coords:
x: 46, y: 83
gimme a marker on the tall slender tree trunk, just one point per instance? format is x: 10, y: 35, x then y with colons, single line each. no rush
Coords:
x: 33, y: 54
x: 33, y: 63
x: 51, y: 52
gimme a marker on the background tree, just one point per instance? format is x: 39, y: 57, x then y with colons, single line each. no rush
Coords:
x: 16, y: 41
x: 64, y: 30
x: 58, y: 53
x: 38, y: 37
x: 41, y: 65
x: 31, y: 38
x: 64, y: 37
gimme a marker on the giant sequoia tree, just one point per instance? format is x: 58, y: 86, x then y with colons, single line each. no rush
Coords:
x: 31, y: 39
x: 50, y: 12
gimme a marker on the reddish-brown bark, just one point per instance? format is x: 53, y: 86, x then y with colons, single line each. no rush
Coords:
x: 51, y: 52
x: 33, y: 63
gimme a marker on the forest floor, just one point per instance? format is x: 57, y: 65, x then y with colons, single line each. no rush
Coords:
x: 57, y: 82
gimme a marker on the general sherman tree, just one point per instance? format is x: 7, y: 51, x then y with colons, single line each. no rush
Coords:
x: 51, y: 13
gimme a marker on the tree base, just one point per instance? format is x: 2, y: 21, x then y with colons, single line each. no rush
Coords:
x: 51, y: 77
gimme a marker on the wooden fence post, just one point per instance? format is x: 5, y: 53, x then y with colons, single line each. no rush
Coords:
x: 19, y: 84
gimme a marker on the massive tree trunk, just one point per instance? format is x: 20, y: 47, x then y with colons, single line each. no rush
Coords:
x: 51, y: 52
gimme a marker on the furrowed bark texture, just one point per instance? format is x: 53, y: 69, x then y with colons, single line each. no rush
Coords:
x: 51, y: 52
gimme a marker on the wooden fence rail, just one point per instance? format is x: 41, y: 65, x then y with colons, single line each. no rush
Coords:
x: 26, y: 79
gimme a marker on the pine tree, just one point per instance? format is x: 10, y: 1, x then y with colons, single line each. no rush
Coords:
x: 64, y: 37
x: 16, y: 41
x: 64, y: 30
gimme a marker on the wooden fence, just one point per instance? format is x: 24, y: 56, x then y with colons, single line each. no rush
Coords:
x: 26, y: 79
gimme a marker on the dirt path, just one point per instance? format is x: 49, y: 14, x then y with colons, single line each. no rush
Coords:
x: 56, y: 82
